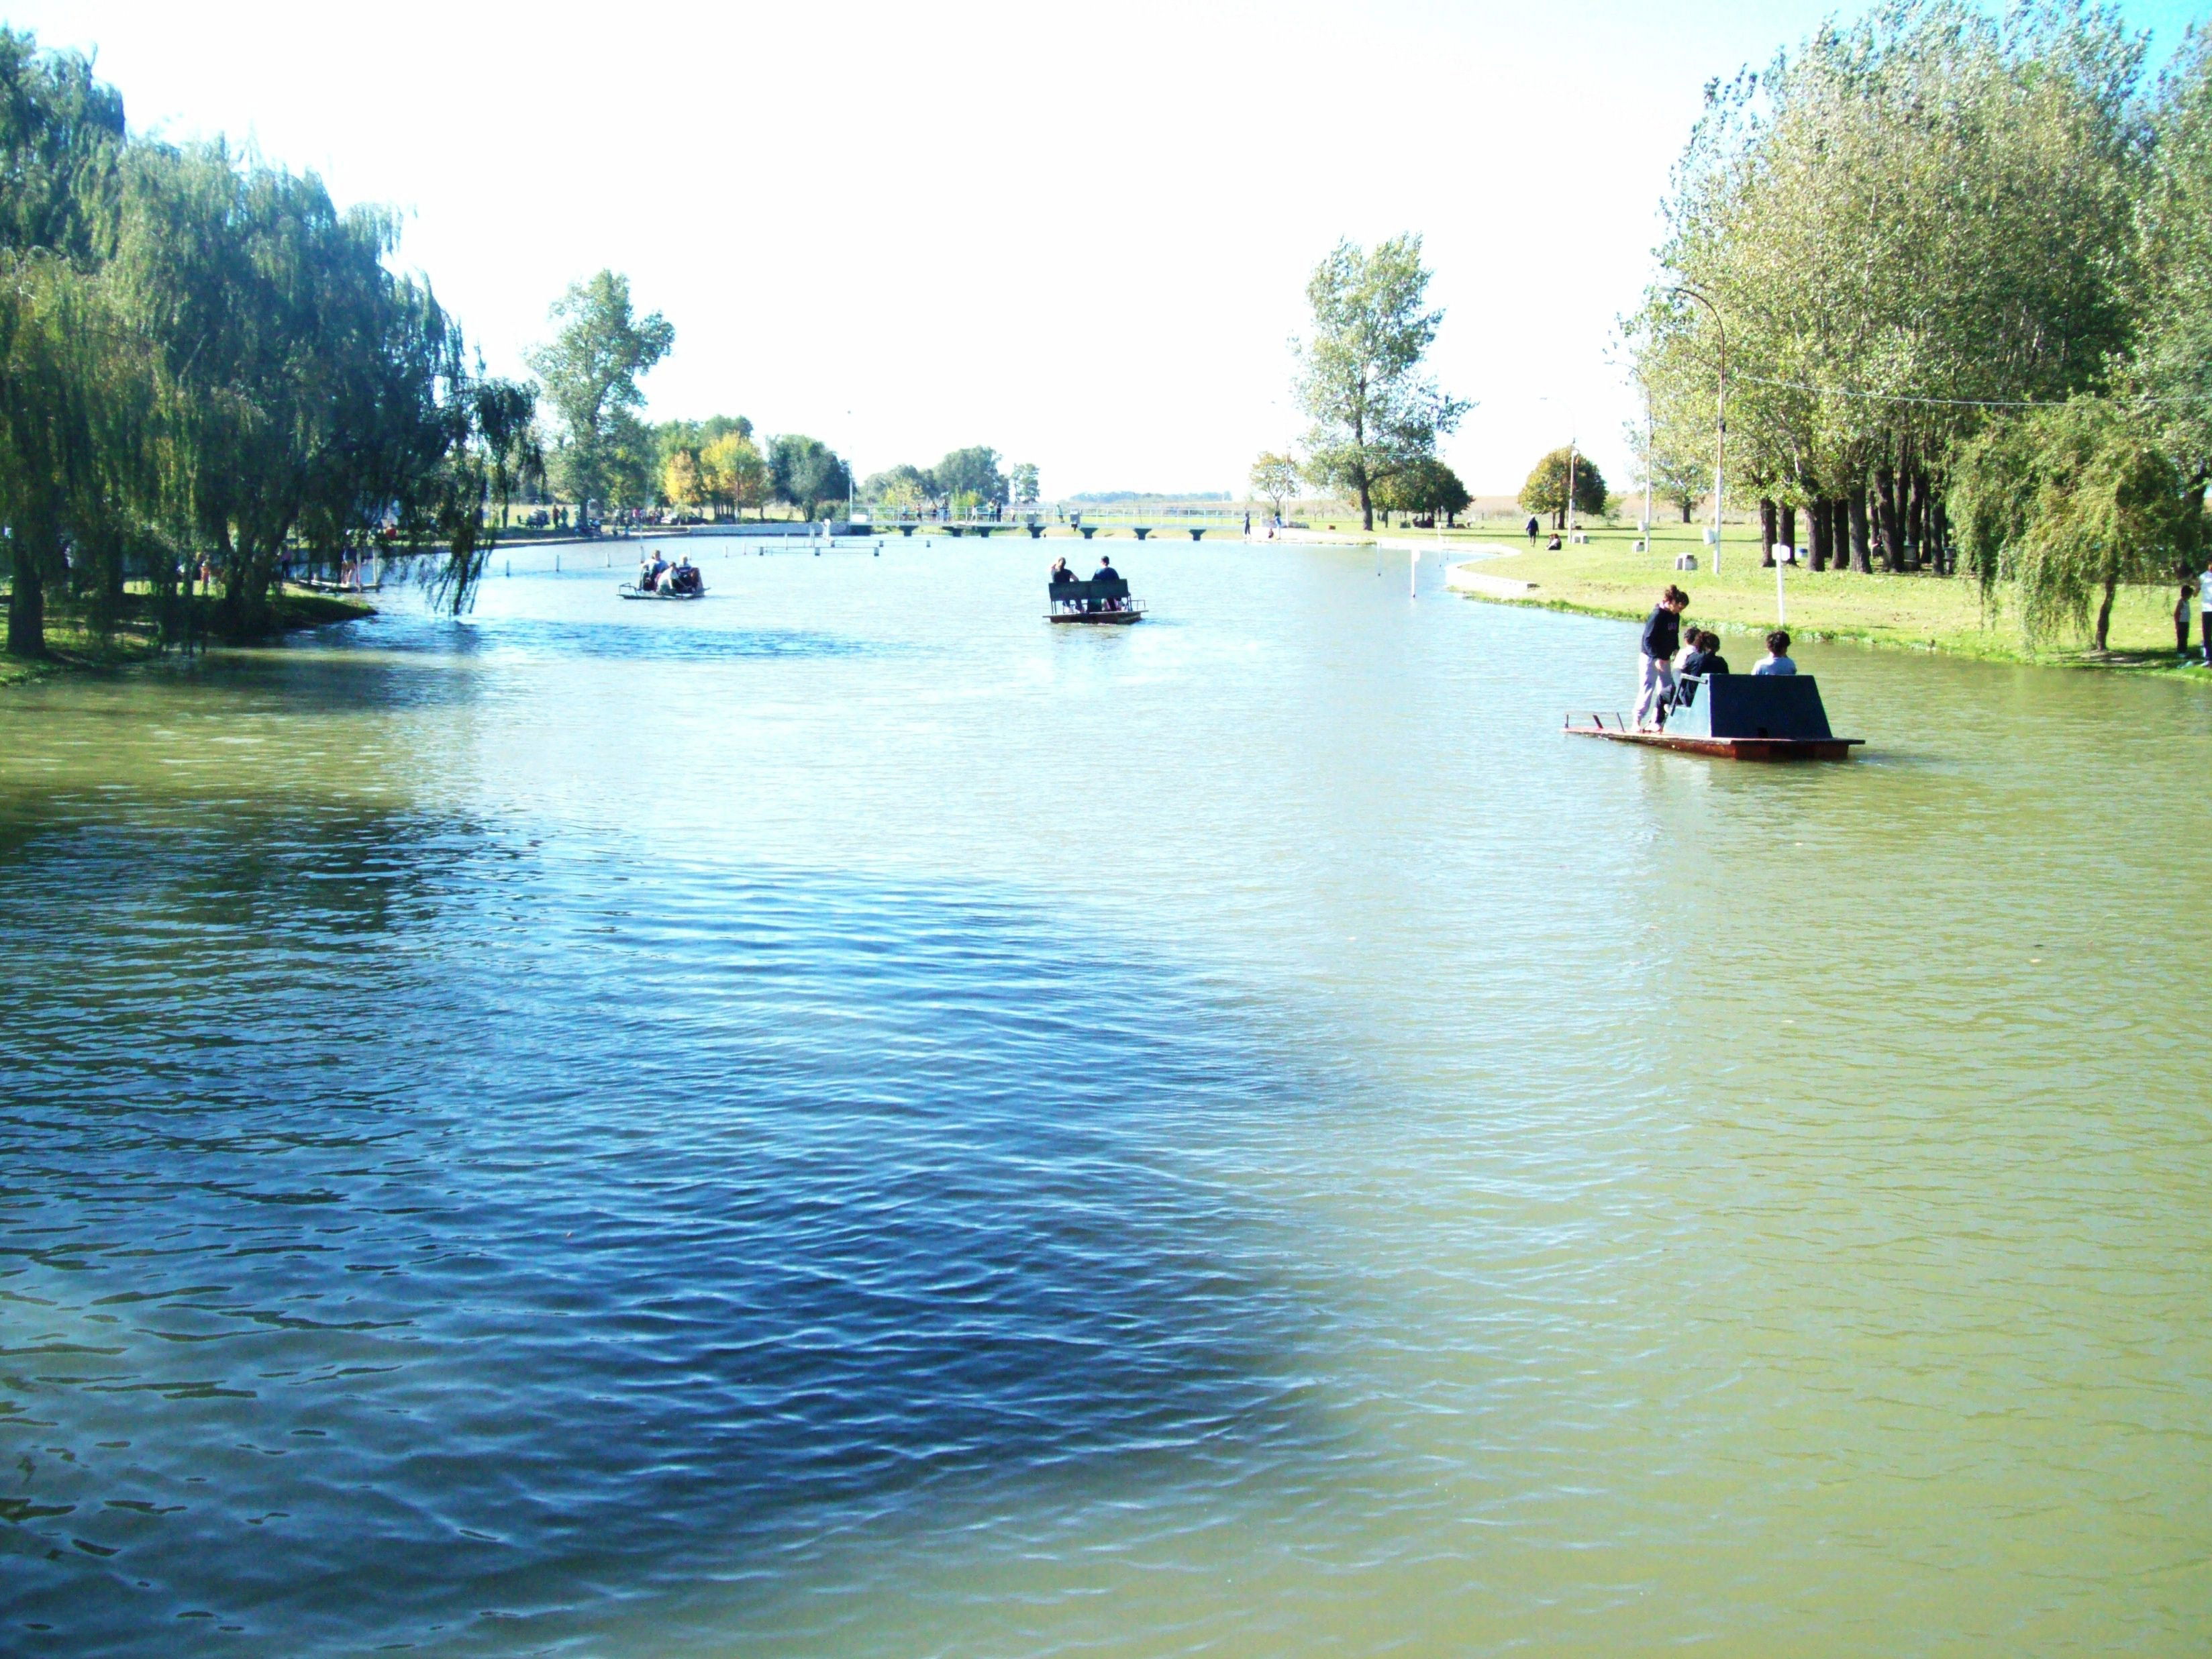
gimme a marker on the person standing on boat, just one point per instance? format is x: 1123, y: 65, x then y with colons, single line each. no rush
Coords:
x: 1655, y: 679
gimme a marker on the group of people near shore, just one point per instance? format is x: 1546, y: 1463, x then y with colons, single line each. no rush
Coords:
x: 1672, y: 661
x: 657, y: 576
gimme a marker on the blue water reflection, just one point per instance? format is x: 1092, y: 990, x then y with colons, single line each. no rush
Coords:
x: 684, y: 1208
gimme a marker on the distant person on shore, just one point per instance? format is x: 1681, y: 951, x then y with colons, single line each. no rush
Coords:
x: 1655, y: 677
x: 2204, y: 607
x: 1776, y: 659
x: 1533, y: 528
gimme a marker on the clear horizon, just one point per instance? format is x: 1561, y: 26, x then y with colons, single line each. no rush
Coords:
x: 1082, y: 238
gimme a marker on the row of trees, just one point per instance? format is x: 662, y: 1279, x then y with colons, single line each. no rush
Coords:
x: 1962, y: 270
x: 1363, y: 381
x: 203, y: 362
x: 966, y: 481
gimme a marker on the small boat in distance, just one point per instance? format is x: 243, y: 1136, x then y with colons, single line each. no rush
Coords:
x: 1765, y: 717
x: 1102, y: 600
x: 657, y: 579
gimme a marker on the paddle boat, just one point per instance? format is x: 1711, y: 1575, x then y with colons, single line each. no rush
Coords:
x: 677, y: 582
x: 1102, y: 600
x: 1765, y: 717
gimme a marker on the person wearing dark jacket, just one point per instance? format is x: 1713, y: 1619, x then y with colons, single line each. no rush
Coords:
x: 1705, y: 660
x: 1655, y: 677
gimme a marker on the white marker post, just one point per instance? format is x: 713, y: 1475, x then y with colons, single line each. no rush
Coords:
x: 1414, y: 591
x: 1781, y: 618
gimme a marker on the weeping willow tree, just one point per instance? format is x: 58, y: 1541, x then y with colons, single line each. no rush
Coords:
x: 493, y: 446
x: 2065, y: 505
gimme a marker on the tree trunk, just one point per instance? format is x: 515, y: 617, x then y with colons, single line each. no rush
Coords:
x: 1766, y: 517
x: 1790, y: 527
x: 1915, y: 519
x: 26, y: 607
x: 1817, y: 510
x: 1856, y: 510
x: 2104, y: 611
x: 1886, y: 521
x: 1687, y: 506
x: 1367, y: 506
x: 1938, y: 533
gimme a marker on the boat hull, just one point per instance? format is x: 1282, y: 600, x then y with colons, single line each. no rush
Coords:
x: 1104, y: 618
x: 1750, y: 748
x: 630, y: 593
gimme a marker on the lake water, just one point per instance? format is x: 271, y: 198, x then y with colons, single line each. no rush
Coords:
x: 842, y: 1119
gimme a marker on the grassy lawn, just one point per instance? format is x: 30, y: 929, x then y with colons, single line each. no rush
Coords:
x: 1927, y: 613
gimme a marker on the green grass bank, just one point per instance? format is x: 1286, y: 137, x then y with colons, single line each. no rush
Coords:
x: 73, y: 646
x: 1607, y: 577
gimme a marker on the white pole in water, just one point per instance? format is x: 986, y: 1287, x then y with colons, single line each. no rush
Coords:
x: 1780, y: 617
x: 1414, y: 592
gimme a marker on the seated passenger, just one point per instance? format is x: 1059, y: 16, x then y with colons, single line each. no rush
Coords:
x: 1776, y: 659
x: 1705, y: 656
x: 1703, y: 659
x: 1106, y: 573
x: 1059, y: 576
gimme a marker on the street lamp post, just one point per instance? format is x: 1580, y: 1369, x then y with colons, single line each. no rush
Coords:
x: 1720, y: 442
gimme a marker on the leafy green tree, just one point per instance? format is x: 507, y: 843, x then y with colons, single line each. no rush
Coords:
x: 1361, y: 379
x: 590, y: 370
x: 1546, y: 491
x: 1910, y: 217
x: 904, y: 488
x: 60, y: 132
x: 1026, y: 483
x: 1275, y: 479
x: 804, y: 472
x: 733, y: 470
x: 973, y: 473
x: 459, y: 507
x: 1427, y: 488
x: 2067, y: 503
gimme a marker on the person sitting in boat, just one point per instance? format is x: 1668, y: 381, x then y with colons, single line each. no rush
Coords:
x: 683, y: 577
x: 1776, y: 659
x: 1059, y: 576
x: 1106, y: 573
x: 1704, y: 659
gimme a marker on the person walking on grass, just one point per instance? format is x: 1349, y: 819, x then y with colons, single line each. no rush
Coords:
x: 1654, y: 672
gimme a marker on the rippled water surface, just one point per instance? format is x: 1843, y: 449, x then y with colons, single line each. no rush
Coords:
x: 842, y: 1119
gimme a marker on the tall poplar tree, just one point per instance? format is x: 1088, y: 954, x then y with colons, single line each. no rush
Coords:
x: 1362, y: 377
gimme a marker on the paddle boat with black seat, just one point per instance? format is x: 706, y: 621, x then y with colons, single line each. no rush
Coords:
x: 1102, y: 600
x: 678, y: 582
x: 1768, y: 717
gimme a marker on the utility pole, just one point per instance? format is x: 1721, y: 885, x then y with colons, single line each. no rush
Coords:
x: 1720, y: 441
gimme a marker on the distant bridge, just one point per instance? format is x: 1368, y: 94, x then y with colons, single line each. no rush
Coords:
x: 1194, y: 522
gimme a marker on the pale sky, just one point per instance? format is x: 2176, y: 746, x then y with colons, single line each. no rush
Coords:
x: 1077, y: 233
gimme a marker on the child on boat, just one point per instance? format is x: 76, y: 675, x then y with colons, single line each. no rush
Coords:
x: 1776, y: 659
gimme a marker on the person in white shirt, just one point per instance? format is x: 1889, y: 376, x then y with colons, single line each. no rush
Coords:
x: 1776, y: 659
x: 2204, y: 607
